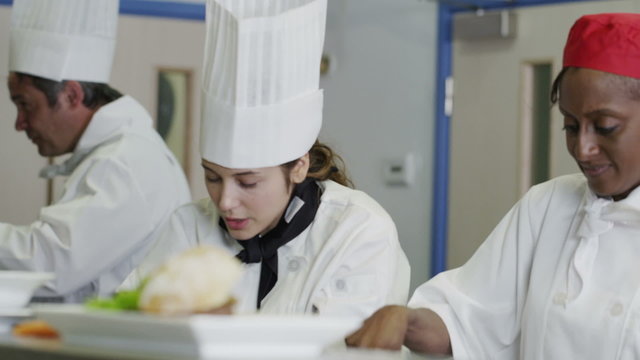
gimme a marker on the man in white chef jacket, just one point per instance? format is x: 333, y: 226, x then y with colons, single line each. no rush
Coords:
x: 122, y: 180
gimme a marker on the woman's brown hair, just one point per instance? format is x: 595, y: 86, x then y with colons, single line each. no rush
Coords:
x: 324, y: 164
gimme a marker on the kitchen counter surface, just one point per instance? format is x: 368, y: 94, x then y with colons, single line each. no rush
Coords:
x: 36, y: 349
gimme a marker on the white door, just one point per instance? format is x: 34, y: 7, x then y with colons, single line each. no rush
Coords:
x: 490, y: 130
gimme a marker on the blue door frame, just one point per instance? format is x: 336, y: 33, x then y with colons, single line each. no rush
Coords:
x: 440, y: 208
x: 446, y: 10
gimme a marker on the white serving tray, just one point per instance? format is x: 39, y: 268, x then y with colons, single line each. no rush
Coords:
x: 201, y: 336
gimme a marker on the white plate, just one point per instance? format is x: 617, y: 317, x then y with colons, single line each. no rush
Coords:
x: 9, y: 317
x: 20, y: 312
x: 208, y: 336
x: 17, y: 287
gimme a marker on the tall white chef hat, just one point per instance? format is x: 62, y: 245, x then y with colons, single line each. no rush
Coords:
x: 262, y: 105
x: 63, y: 39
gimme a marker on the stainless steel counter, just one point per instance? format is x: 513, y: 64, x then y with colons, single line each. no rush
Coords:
x: 12, y: 348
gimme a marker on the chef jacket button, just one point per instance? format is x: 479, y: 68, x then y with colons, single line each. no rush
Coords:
x: 560, y: 298
x: 294, y: 265
x: 340, y: 284
x: 616, y: 309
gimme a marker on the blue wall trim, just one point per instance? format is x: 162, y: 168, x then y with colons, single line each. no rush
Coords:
x: 472, y: 5
x: 163, y: 9
x: 440, y: 209
x: 167, y: 9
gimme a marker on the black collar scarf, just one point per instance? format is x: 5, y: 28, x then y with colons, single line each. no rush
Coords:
x: 304, y: 205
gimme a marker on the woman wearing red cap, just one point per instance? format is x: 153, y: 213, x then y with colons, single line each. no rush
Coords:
x: 558, y: 277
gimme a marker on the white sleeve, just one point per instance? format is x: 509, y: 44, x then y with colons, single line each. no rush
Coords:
x: 176, y: 236
x: 368, y: 270
x: 95, y: 225
x: 481, y: 302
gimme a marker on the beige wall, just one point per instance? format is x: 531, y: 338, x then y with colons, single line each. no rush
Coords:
x: 22, y: 193
x: 378, y: 105
x: 146, y: 44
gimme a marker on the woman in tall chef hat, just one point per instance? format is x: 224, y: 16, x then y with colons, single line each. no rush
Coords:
x: 278, y: 198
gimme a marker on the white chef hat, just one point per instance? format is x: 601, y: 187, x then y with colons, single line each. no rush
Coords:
x: 63, y: 39
x: 262, y: 105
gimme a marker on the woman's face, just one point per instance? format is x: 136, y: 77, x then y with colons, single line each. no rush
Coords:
x: 602, y: 126
x: 252, y: 201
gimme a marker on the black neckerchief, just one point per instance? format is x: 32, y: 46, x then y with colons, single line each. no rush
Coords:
x: 265, y: 248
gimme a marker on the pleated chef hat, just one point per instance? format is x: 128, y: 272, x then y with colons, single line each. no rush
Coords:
x: 63, y: 39
x: 262, y: 105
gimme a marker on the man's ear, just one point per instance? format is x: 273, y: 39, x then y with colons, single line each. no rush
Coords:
x: 73, y: 93
x: 300, y: 169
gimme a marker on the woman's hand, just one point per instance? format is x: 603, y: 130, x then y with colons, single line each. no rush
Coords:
x: 385, y: 329
x: 421, y: 330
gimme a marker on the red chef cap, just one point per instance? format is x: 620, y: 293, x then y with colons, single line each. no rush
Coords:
x: 605, y: 42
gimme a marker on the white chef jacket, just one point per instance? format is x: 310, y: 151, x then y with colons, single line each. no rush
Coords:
x: 123, y: 183
x: 557, y: 278
x: 347, y: 262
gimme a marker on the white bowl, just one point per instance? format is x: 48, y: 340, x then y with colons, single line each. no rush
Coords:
x: 17, y: 287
